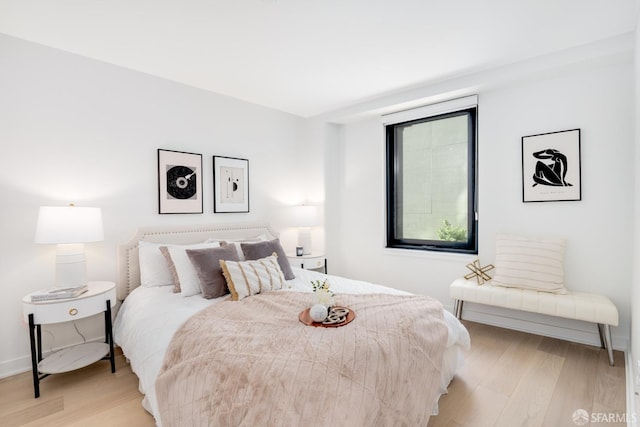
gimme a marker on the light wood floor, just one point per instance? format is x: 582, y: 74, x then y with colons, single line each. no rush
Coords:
x: 88, y: 397
x: 510, y: 379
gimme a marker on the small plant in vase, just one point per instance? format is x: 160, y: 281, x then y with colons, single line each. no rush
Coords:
x: 322, y: 294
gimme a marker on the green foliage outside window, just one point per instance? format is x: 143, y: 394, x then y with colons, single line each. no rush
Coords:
x: 452, y: 233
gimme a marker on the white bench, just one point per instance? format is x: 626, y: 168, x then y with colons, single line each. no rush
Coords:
x: 575, y: 305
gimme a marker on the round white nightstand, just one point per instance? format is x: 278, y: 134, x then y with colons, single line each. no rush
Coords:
x: 309, y: 262
x: 99, y: 298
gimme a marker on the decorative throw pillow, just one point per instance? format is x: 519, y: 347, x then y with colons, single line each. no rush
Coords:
x: 236, y: 243
x: 153, y: 267
x: 185, y: 277
x: 206, y: 262
x: 246, y: 278
x: 263, y: 249
x: 530, y: 263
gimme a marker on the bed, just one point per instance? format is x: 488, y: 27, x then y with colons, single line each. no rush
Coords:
x: 220, y: 362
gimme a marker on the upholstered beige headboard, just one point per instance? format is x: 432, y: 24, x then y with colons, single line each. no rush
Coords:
x: 129, y: 267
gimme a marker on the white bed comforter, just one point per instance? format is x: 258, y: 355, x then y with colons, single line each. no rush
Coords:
x: 149, y: 317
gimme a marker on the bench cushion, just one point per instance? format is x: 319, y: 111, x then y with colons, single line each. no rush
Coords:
x: 574, y: 305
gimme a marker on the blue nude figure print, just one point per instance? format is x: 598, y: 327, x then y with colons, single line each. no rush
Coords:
x: 551, y: 169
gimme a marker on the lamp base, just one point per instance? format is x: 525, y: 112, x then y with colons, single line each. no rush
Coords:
x: 71, y: 267
x: 304, y: 239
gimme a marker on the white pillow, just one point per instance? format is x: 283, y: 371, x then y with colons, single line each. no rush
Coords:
x: 185, y: 271
x: 530, y: 263
x: 246, y: 278
x: 153, y: 266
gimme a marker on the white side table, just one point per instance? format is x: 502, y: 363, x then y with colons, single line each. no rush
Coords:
x: 100, y: 297
x: 311, y: 261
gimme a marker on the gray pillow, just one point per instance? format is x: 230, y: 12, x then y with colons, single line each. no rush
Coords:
x: 253, y: 251
x: 206, y: 262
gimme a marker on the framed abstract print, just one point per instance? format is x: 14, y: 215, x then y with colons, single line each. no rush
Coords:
x: 179, y: 182
x: 551, y: 167
x: 230, y: 184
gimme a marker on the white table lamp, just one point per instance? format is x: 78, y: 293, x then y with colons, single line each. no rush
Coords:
x: 304, y: 217
x: 69, y: 227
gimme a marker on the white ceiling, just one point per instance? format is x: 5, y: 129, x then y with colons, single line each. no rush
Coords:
x: 309, y: 57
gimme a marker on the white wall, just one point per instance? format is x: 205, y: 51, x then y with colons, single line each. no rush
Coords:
x: 589, y: 89
x: 77, y: 130
x: 635, y: 293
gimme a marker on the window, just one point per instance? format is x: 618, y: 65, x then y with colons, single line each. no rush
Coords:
x: 431, y: 180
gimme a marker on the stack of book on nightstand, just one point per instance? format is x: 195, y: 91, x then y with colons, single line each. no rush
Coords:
x: 58, y: 293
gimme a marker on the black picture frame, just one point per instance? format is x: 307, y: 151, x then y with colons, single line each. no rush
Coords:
x: 551, y: 167
x: 230, y: 184
x: 179, y: 182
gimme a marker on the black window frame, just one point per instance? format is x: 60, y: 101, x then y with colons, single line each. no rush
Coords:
x: 392, y: 169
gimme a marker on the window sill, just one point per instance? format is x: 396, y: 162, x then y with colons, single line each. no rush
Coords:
x: 435, y: 255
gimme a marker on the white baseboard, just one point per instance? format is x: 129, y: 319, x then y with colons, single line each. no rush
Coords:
x: 632, y: 397
x: 16, y: 366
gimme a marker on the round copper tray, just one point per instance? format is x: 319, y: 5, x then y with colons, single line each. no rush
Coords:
x: 306, y: 319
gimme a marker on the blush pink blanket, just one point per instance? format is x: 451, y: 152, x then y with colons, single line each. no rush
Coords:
x: 253, y: 363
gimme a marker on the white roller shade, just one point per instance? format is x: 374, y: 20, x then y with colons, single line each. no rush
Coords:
x: 430, y: 110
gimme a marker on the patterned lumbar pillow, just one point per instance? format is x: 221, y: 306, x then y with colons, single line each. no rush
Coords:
x: 530, y: 263
x: 246, y: 278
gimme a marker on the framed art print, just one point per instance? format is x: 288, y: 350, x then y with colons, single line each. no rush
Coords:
x: 551, y: 167
x: 179, y: 182
x: 230, y: 184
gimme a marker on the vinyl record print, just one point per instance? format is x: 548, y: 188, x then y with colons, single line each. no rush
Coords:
x: 181, y: 182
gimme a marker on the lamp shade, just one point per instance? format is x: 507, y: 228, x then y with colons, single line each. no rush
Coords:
x: 304, y: 216
x: 69, y: 224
